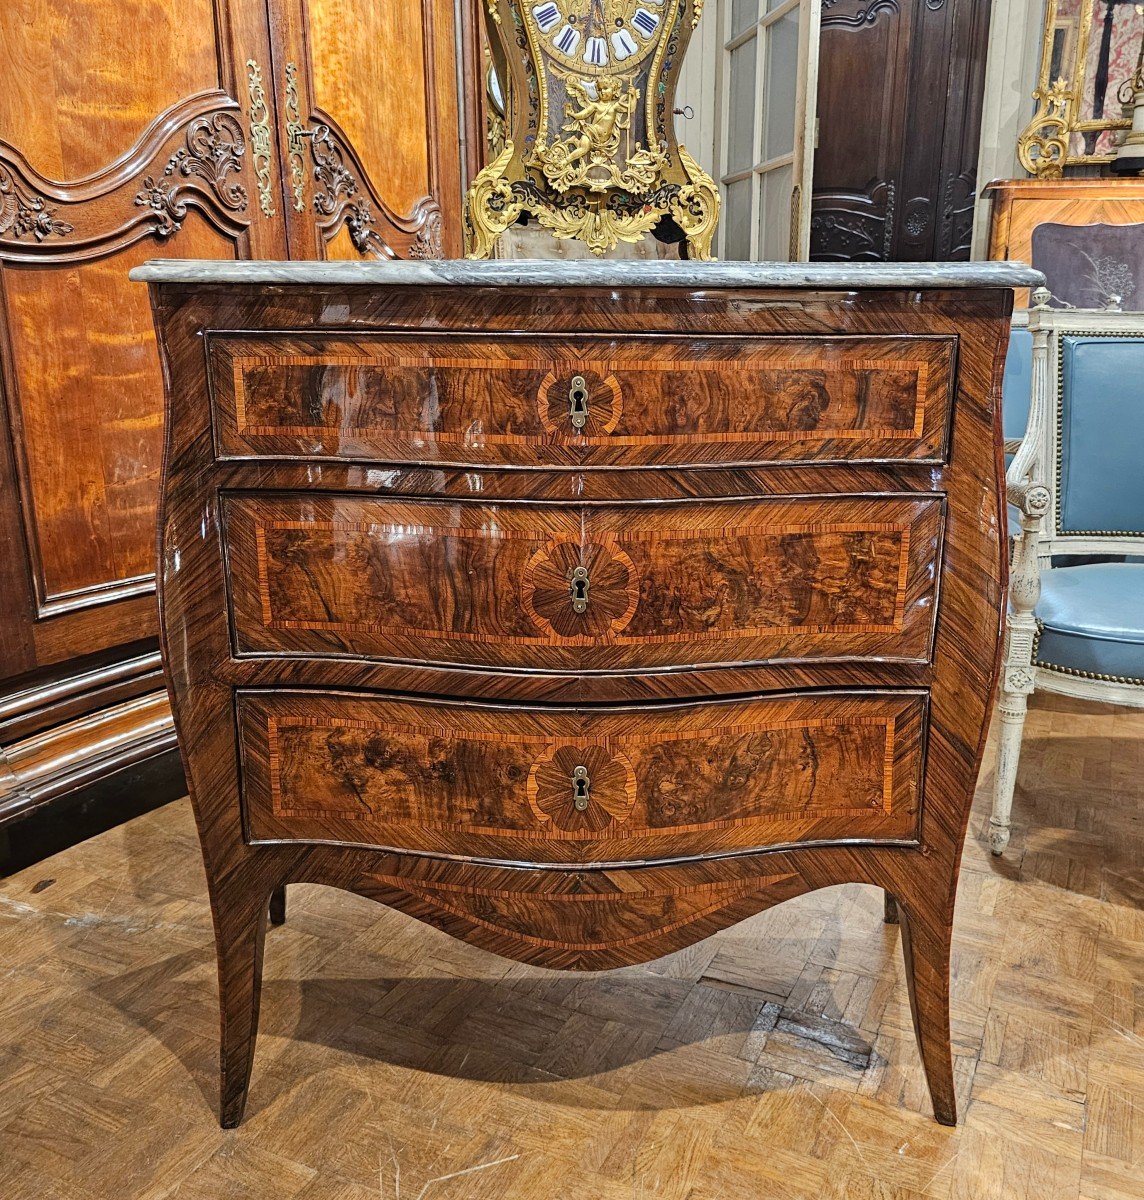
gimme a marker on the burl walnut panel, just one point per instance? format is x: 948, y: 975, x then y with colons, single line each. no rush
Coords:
x: 779, y: 679
x: 483, y: 400
x: 664, y: 584
x: 502, y: 783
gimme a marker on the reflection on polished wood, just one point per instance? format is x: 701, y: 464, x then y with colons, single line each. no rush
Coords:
x: 667, y: 782
x: 590, y: 713
x: 126, y: 126
x: 668, y: 584
x: 649, y: 399
x: 774, y: 1059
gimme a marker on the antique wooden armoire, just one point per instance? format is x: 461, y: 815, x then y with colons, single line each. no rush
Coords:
x: 898, y: 183
x: 234, y: 129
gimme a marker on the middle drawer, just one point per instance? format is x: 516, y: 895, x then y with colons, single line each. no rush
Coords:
x: 614, y: 587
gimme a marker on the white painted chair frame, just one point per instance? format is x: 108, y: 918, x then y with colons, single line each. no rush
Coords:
x: 1033, y: 549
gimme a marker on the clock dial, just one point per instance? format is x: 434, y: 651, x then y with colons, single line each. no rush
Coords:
x: 597, y: 37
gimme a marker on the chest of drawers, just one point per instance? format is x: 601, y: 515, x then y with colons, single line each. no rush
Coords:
x: 581, y: 612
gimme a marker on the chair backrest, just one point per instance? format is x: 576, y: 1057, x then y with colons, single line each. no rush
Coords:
x: 1093, y: 435
x: 1017, y: 388
x: 1100, y: 435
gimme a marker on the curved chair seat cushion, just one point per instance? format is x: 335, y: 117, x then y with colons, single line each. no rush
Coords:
x: 1092, y: 620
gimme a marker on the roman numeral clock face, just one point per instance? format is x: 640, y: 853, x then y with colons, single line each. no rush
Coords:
x: 597, y: 37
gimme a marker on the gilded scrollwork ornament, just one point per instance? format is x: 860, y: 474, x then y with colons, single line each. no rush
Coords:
x: 260, y: 145
x: 295, y: 139
x: 1044, y: 145
x: 1075, y: 113
x: 589, y: 150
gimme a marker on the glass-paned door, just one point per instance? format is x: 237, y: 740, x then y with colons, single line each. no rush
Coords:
x: 769, y: 81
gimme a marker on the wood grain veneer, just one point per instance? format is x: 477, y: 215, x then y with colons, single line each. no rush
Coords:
x: 665, y: 783
x: 1019, y: 206
x: 669, y: 584
x: 651, y: 399
x: 781, y: 679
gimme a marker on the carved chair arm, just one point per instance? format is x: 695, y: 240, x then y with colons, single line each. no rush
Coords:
x: 1030, y: 497
x: 1027, y: 491
x: 1024, y: 483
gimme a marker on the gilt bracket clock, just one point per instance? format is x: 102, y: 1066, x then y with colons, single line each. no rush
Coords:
x: 591, y: 152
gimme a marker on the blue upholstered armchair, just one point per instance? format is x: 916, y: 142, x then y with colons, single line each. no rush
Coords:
x: 1074, y: 384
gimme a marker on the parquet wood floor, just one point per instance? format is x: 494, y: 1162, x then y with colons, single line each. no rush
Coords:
x: 775, y: 1060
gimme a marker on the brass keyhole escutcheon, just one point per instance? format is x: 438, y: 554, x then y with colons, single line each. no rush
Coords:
x: 580, y: 590
x: 581, y: 785
x: 578, y: 399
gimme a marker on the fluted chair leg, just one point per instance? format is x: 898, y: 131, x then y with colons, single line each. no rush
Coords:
x: 1011, y: 708
x: 1031, y: 498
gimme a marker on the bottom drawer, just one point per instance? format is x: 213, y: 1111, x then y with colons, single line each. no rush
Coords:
x: 622, y: 785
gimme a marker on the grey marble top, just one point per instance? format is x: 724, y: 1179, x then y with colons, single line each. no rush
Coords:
x: 609, y: 274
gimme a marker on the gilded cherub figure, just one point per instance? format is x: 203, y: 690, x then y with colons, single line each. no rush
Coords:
x: 597, y: 124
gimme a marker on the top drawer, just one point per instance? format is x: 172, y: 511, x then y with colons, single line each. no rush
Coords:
x: 581, y: 401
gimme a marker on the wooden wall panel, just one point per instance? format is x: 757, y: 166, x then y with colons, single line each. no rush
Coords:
x: 92, y: 76
x: 379, y: 158
x: 90, y: 434
x: 386, y: 119
x: 128, y: 130
x: 135, y: 129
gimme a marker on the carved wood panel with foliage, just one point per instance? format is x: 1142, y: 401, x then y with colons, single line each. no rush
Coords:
x: 135, y: 129
x: 900, y: 183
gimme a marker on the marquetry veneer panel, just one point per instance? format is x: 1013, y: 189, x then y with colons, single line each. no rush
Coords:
x: 651, y: 400
x: 667, y: 584
x: 500, y: 782
x: 583, y: 696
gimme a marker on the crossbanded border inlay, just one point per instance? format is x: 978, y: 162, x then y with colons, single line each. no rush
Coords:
x: 919, y: 368
x: 724, y: 894
x: 548, y: 745
x: 545, y: 539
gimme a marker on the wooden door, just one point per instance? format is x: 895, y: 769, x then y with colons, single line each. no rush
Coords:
x: 135, y: 129
x: 128, y: 128
x: 370, y: 139
x: 769, y: 82
x: 900, y: 93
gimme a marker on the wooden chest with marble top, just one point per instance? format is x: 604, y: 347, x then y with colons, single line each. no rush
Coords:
x: 582, y: 610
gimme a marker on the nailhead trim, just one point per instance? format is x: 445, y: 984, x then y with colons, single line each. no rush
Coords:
x: 1041, y: 666
x: 1109, y: 533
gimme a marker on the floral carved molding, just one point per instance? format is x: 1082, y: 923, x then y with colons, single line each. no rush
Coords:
x: 25, y: 213
x: 198, y: 157
x: 214, y: 150
x: 192, y: 157
x: 344, y: 196
x: 867, y: 12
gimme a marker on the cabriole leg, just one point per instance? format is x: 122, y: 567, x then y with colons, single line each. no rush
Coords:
x: 240, y: 929
x: 278, y: 906
x: 927, y: 953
